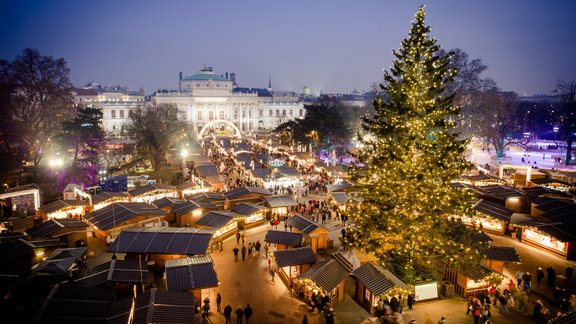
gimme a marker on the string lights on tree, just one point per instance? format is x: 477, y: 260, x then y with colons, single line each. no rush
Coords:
x: 408, y: 162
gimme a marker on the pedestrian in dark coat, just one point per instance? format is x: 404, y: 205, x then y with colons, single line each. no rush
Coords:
x: 238, y: 238
x: 394, y: 304
x: 539, y: 275
x: 239, y: 315
x: 551, y: 279
x: 235, y: 250
x: 227, y: 313
x: 218, y: 301
x: 569, y: 273
x: 410, y: 301
x: 248, y: 313
x: 243, y: 253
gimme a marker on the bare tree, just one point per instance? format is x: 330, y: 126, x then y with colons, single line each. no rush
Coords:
x: 567, y: 93
x: 38, y: 99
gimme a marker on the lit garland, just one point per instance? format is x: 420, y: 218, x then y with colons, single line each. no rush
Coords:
x: 409, y: 162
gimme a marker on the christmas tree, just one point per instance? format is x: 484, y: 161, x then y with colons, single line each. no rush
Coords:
x: 409, y: 157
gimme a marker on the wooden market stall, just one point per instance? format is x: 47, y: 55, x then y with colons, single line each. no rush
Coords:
x: 188, y: 212
x: 490, y: 217
x: 104, y: 199
x: 109, y: 221
x: 280, y: 205
x: 155, y: 245
x: 151, y: 192
x: 374, y: 283
x: 63, y: 209
x: 473, y: 280
x: 292, y: 262
x: 252, y: 214
x: 224, y: 223
x: 284, y: 240
x: 327, y: 278
x: 498, y: 257
x: 73, y: 232
x: 195, y: 274
x: 245, y: 194
x: 315, y: 235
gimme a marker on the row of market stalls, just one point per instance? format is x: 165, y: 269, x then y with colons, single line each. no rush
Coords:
x: 538, y: 216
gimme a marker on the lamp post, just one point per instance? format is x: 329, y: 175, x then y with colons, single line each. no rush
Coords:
x: 184, y: 154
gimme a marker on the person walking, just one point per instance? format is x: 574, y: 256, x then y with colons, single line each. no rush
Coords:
x: 519, y: 275
x: 527, y: 282
x: 239, y: 315
x: 410, y: 301
x: 248, y: 313
x: 235, y: 250
x: 218, y: 301
x: 569, y: 273
x: 243, y: 253
x: 539, y: 275
x: 272, y: 274
x: 227, y: 313
x: 551, y: 279
x: 305, y: 319
x: 238, y: 238
x: 266, y: 249
x: 258, y: 245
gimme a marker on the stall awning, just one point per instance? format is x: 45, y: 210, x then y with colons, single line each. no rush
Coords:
x: 190, y: 273
x: 294, y: 257
x: 502, y: 253
x: 377, y: 279
x: 479, y: 237
x: 148, y: 189
x: 493, y: 210
x: 244, y: 191
x: 105, y: 196
x: 167, y: 202
x: 284, y: 237
x: 61, y: 204
x: 477, y: 272
x: 563, y: 232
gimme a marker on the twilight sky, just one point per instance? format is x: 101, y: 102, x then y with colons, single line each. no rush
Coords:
x: 328, y: 45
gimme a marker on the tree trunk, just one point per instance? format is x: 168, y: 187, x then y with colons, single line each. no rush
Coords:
x: 569, y: 150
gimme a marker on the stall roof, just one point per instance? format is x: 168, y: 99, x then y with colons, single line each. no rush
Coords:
x: 73, y: 304
x: 564, y: 232
x: 340, y: 197
x: 50, y: 227
x: 61, y: 204
x: 207, y: 170
x: 564, y: 212
x: 207, y: 196
x: 217, y: 219
x: 480, y: 177
x: 105, y: 196
x: 260, y: 172
x: 167, y: 202
x: 63, y: 253
x: 288, y: 172
x: 280, y: 201
x: 502, y: 253
x: 55, y: 266
x: 493, y: 209
x: 197, y: 158
x: 118, y: 213
x: 247, y: 208
x: 327, y: 274
x: 284, y: 237
x: 377, y: 279
x: 193, y: 185
x: 163, y: 240
x: 303, y: 224
x: 214, y: 179
x: 154, y: 306
x: 190, y: 273
x: 243, y: 191
x: 294, y: 257
x: 147, y: 189
x: 479, y: 237
x: 539, y: 191
x: 189, y: 206
x: 130, y: 271
x: 566, y: 318
x: 476, y: 272
x: 339, y: 187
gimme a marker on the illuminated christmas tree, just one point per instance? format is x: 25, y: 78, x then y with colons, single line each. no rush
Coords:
x: 409, y: 157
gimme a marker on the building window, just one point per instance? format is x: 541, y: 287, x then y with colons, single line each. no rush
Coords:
x: 210, y: 115
x: 260, y: 113
x: 243, y: 116
x: 250, y: 114
x: 270, y: 113
x: 235, y: 114
x: 221, y: 114
x: 300, y: 113
x: 121, y: 113
x: 291, y: 113
x: 199, y: 114
x: 277, y: 113
x: 113, y: 114
x: 284, y: 113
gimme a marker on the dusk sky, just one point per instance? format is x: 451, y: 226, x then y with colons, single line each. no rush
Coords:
x: 333, y: 46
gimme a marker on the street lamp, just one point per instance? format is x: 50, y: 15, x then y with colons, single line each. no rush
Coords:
x: 184, y: 154
x: 555, y: 129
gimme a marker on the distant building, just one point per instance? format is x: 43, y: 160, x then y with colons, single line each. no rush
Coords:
x: 206, y: 97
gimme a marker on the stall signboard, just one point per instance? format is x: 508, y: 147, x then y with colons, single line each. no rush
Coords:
x: 425, y: 290
x: 544, y: 240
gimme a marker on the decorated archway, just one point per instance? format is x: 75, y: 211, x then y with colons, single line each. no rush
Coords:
x: 216, y: 122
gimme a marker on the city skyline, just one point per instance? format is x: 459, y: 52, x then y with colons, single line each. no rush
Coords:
x: 328, y: 46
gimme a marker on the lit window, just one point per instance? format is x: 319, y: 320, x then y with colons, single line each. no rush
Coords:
x: 121, y: 113
x: 113, y: 114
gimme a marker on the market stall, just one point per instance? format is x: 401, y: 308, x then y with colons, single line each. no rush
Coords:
x: 558, y: 239
x: 63, y: 209
x: 104, y: 199
x: 280, y: 204
x: 374, y: 284
x: 472, y: 281
x: 151, y: 192
x: 490, y: 217
x: 196, y: 274
x: 291, y: 263
x: 315, y: 235
x: 326, y: 278
x: 252, y: 214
